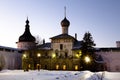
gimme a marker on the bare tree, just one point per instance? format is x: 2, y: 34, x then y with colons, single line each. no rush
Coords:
x: 38, y: 40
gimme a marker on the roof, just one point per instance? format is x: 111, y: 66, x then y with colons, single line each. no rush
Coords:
x: 65, y: 22
x: 45, y: 46
x: 108, y: 49
x: 62, y: 36
x: 77, y: 45
x: 10, y: 48
x: 27, y: 36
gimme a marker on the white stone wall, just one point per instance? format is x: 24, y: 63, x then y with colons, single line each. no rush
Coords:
x: 67, y: 46
x: 25, y: 45
x: 112, y: 60
x: 10, y: 60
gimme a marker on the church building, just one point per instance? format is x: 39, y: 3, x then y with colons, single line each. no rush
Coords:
x: 63, y: 52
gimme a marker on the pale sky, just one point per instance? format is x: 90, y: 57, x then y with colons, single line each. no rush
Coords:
x: 100, y: 17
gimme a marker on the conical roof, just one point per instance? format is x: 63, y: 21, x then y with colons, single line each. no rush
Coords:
x: 27, y: 37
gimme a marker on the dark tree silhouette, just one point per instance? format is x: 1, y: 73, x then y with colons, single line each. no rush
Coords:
x: 87, y: 58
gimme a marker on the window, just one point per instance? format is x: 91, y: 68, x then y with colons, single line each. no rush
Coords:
x: 66, y: 54
x: 61, y: 46
x: 76, y: 67
x: 64, y: 67
x: 56, y: 52
x: 57, y: 67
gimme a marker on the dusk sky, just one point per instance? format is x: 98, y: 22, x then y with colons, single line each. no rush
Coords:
x: 100, y: 17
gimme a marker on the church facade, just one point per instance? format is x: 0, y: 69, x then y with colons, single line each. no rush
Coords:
x: 63, y: 52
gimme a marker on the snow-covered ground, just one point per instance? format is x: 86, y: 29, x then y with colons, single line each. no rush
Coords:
x: 57, y: 75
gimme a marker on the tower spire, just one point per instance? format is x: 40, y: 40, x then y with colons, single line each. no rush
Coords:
x: 65, y: 11
x: 27, y: 21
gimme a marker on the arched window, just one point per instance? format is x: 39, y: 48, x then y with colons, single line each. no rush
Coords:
x: 57, y: 67
x: 64, y: 67
x: 76, y: 67
x: 56, y: 52
x: 66, y: 53
x: 61, y: 46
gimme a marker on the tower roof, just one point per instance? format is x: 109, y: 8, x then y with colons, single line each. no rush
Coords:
x: 27, y: 37
x: 65, y: 22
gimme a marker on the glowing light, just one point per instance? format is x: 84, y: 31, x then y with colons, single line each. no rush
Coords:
x: 76, y: 67
x: 77, y: 55
x: 64, y: 67
x: 24, y: 55
x: 57, y: 67
x: 80, y: 53
x: 38, y: 55
x: 53, y: 55
x: 87, y: 59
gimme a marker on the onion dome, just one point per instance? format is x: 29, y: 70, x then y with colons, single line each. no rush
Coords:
x: 27, y: 37
x: 65, y: 22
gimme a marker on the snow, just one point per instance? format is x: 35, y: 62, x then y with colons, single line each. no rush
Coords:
x: 57, y: 75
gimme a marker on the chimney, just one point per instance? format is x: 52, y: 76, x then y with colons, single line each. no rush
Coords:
x: 43, y: 41
x: 76, y: 36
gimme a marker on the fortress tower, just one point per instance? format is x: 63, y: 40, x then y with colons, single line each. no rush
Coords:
x: 26, y: 41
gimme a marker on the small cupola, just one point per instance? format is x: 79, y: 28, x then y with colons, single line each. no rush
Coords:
x: 65, y: 22
x: 27, y: 37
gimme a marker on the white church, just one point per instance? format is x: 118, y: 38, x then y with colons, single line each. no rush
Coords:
x: 11, y: 58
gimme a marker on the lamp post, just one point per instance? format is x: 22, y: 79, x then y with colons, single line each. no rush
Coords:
x: 39, y: 55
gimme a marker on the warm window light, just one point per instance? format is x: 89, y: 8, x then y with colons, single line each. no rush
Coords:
x: 57, y: 67
x: 64, y: 67
x: 76, y: 67
x: 53, y: 55
x: 87, y: 59
x: 77, y: 55
x: 38, y: 55
x: 80, y: 52
x: 24, y: 55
